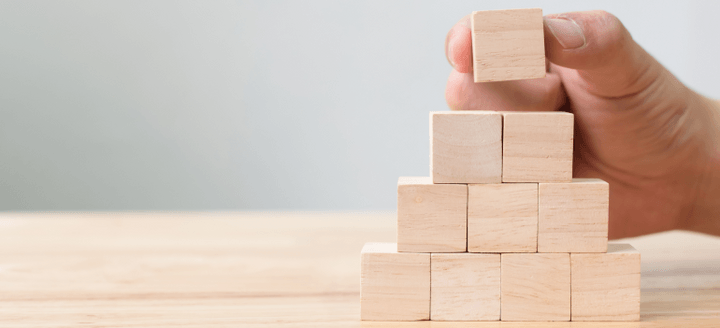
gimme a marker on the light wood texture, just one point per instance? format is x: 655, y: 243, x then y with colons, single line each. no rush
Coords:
x: 606, y: 286
x: 535, y: 287
x: 466, y: 147
x: 508, y: 44
x: 465, y: 287
x: 431, y: 217
x: 394, y: 286
x: 266, y: 269
x: 537, y: 146
x: 502, y: 218
x: 573, y: 217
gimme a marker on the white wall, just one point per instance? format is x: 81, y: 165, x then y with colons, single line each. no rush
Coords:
x: 152, y: 105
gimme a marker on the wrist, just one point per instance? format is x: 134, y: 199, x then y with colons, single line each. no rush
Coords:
x: 705, y: 214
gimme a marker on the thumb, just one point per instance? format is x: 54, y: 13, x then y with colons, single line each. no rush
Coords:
x: 601, y: 50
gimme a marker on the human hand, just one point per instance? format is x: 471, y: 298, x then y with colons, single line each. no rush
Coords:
x: 637, y: 127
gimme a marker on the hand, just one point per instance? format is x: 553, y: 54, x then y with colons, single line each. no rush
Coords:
x: 637, y: 127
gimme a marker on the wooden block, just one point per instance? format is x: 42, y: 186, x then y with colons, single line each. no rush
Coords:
x: 431, y: 217
x: 537, y: 146
x: 573, y: 217
x: 394, y: 286
x: 508, y: 44
x: 606, y: 286
x: 502, y: 217
x: 535, y: 287
x: 466, y: 147
x: 465, y: 287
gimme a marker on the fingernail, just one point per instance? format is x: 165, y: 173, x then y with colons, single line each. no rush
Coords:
x: 567, y: 32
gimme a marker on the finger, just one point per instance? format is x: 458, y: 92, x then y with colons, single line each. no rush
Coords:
x: 599, y: 49
x: 544, y: 94
x: 458, y: 46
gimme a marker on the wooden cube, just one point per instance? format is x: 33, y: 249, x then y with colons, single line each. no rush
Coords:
x: 431, y: 217
x: 466, y: 147
x: 537, y: 146
x: 502, y: 217
x: 508, y: 44
x: 465, y: 287
x: 394, y: 286
x: 573, y: 216
x: 606, y: 286
x: 535, y: 287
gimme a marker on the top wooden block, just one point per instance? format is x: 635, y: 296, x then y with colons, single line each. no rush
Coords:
x: 466, y: 147
x: 508, y: 44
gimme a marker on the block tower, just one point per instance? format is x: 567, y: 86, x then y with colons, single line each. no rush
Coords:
x: 500, y: 230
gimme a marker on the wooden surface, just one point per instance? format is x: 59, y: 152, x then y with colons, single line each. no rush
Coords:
x: 264, y: 270
x: 502, y: 218
x: 431, y: 217
x: 508, y: 44
x: 573, y: 217
x: 466, y: 147
x: 405, y: 277
x: 537, y: 146
x: 535, y: 287
x: 465, y: 287
x: 606, y: 286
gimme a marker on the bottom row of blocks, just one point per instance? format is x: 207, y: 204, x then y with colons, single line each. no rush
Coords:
x: 508, y: 287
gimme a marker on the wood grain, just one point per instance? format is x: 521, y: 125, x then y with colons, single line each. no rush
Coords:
x: 535, y: 287
x: 431, y: 217
x: 606, y: 286
x: 573, y: 217
x: 466, y: 147
x: 465, y: 287
x: 394, y: 286
x: 502, y: 217
x: 266, y: 269
x: 537, y: 146
x: 508, y: 44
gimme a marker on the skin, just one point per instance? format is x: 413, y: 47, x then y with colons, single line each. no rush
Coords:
x: 637, y: 127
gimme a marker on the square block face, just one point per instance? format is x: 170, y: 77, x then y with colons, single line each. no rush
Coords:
x: 606, y: 287
x: 537, y: 146
x: 535, y: 287
x: 466, y: 147
x: 465, y: 287
x: 503, y: 218
x: 573, y: 217
x: 508, y: 44
x: 431, y: 217
x: 394, y: 286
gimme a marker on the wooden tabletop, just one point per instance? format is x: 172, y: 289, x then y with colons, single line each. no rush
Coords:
x: 272, y: 269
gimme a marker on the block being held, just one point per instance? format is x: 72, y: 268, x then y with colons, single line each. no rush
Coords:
x: 508, y: 44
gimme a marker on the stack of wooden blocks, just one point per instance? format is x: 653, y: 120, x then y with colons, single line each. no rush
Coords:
x: 501, y: 230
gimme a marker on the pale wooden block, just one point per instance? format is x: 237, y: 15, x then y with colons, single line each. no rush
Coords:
x: 508, y: 44
x: 537, y: 146
x: 573, y: 216
x: 606, y: 286
x: 431, y: 217
x: 535, y: 287
x: 394, y: 286
x: 502, y: 217
x: 465, y: 287
x: 466, y: 147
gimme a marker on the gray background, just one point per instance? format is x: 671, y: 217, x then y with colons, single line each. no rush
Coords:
x: 318, y: 105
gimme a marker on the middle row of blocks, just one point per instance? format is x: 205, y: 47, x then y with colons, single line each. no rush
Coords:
x: 494, y: 147
x: 501, y: 218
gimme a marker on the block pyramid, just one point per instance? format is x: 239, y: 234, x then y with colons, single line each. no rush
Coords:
x: 500, y: 231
